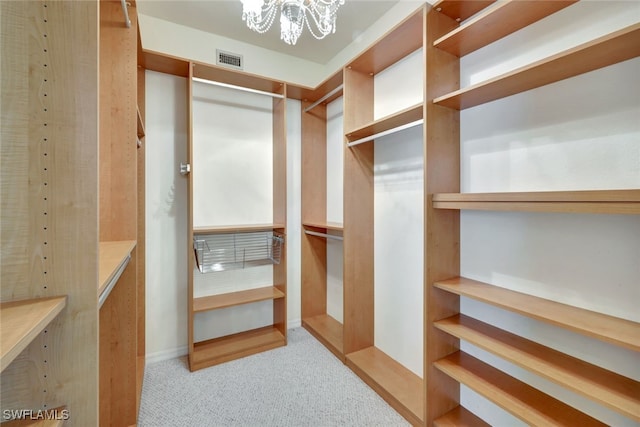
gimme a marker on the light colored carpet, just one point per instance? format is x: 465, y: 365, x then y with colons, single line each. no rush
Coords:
x: 301, y: 384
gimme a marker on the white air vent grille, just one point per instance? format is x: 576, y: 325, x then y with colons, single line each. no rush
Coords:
x: 228, y: 59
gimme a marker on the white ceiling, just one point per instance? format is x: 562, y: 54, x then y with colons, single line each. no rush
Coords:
x: 224, y: 17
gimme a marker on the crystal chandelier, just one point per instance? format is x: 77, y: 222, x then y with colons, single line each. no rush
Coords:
x: 318, y: 15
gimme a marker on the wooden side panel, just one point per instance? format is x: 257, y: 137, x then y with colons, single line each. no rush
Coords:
x: 189, y: 248
x: 280, y: 207
x: 358, y: 217
x: 442, y: 228
x: 314, y: 209
x: 49, y: 206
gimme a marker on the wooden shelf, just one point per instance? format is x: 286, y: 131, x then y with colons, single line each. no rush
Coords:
x: 224, y: 349
x: 459, y: 417
x: 604, y: 51
x: 406, y: 116
x: 241, y: 228
x: 614, y: 330
x: 520, y: 399
x: 597, y: 201
x: 403, y: 39
x: 112, y: 255
x: 461, y: 10
x: 228, y: 76
x: 495, y: 23
x: 22, y: 321
x: 52, y: 413
x: 313, y: 94
x: 328, y: 331
x: 214, y: 302
x: 140, y: 124
x: 400, y: 387
x: 328, y: 225
x: 607, y: 388
x: 163, y: 63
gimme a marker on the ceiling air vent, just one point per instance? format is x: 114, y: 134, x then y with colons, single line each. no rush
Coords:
x: 228, y: 59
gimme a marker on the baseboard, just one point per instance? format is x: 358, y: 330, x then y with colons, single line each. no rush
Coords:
x: 294, y: 323
x: 171, y: 353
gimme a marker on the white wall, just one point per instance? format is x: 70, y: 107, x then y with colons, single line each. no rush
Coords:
x: 398, y: 219
x: 581, y: 133
x: 220, y: 135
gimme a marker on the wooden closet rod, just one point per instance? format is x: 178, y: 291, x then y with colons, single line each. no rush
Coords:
x: 245, y: 89
x: 321, y: 100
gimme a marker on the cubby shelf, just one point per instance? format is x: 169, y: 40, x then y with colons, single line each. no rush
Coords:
x: 596, y: 201
x: 607, y: 50
x: 241, y: 228
x: 495, y: 23
x: 400, y: 387
x: 230, y: 299
x: 328, y: 331
x: 615, y: 391
x: 460, y: 417
x: 22, y: 321
x: 231, y: 347
x: 112, y: 255
x: 461, y: 10
x: 520, y: 399
x: 611, y: 329
x: 396, y: 120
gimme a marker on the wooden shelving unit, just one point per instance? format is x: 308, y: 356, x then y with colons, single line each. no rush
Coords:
x: 446, y: 366
x: 495, y: 23
x: 230, y: 299
x: 214, y: 351
x: 611, y: 329
x: 602, y: 201
x: 615, y: 391
x: 518, y: 398
x: 231, y: 347
x: 400, y: 387
x: 22, y: 321
x: 601, y: 52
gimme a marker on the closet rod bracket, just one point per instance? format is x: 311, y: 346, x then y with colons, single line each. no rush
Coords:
x: 185, y: 168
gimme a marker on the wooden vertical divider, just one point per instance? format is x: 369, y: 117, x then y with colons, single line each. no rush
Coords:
x: 314, y: 209
x: 189, y: 248
x: 442, y: 227
x: 358, y: 216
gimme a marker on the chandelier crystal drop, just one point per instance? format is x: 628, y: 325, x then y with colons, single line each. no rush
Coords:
x: 319, y: 16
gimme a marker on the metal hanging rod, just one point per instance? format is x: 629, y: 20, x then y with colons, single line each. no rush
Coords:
x: 321, y: 100
x: 127, y: 21
x: 245, y: 89
x: 112, y: 283
x: 328, y: 236
x: 385, y: 133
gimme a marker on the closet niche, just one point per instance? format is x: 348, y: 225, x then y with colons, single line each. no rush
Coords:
x: 237, y: 253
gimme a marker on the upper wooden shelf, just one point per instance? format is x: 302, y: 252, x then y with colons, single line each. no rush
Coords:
x: 403, y: 117
x: 112, y: 255
x: 240, y: 228
x: 611, y: 329
x: 396, y: 384
x: 604, y: 51
x: 595, y: 201
x: 230, y: 299
x: 328, y: 225
x: 22, y: 321
x: 619, y: 393
x: 496, y: 23
x: 403, y: 39
x: 461, y: 10
x: 519, y: 399
x: 163, y: 63
x: 459, y: 416
x: 304, y: 93
x: 140, y: 124
x: 237, y: 78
